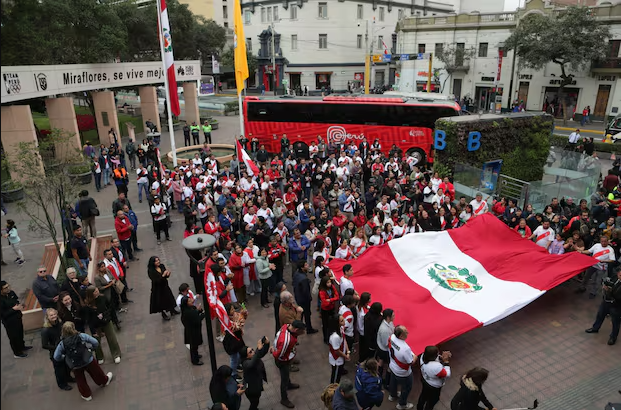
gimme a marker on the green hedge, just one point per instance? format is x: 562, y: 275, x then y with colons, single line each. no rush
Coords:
x: 561, y: 141
x: 523, y: 143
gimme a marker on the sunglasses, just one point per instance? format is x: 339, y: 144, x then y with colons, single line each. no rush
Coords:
x: 43, y: 271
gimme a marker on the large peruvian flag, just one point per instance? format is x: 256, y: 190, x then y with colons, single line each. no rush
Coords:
x: 215, y: 304
x: 169, y: 60
x: 443, y: 284
x: 251, y: 167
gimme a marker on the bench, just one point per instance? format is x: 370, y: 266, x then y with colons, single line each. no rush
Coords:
x: 32, y: 313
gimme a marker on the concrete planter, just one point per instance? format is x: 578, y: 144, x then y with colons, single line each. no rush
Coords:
x: 82, y: 179
x: 12, y: 194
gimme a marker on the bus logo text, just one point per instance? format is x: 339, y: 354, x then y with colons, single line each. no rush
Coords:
x: 338, y: 135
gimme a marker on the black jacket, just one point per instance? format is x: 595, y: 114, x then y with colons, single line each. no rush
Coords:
x: 50, y: 337
x: 469, y: 396
x: 372, y: 324
x: 45, y: 291
x: 302, y: 288
x: 103, y: 307
x: 192, y: 319
x: 7, y: 313
x: 254, y: 371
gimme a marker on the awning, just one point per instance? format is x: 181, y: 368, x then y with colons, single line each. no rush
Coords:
x: 293, y: 72
x: 324, y: 72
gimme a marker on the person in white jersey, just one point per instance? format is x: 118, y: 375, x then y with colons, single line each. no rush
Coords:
x: 346, y: 282
x: 401, y: 361
x: 543, y: 235
x: 479, y: 205
x: 434, y: 369
x: 339, y: 350
x: 605, y: 254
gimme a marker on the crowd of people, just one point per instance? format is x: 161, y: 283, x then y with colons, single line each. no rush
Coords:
x: 302, y: 212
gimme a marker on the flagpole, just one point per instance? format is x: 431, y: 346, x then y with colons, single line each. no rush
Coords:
x: 241, y: 111
x: 171, y: 131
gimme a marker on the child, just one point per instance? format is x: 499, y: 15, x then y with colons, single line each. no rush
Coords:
x: 14, y: 240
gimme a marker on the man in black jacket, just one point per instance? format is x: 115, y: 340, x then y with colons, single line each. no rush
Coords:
x: 254, y: 371
x: 11, y: 314
x: 611, y: 305
x: 302, y: 292
x: 87, y: 207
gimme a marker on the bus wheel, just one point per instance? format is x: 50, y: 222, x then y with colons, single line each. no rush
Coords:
x: 417, y: 153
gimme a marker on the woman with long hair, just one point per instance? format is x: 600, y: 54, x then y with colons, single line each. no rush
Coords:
x: 328, y: 296
x: 339, y: 350
x: 50, y: 338
x: 73, y: 340
x: 224, y: 389
x: 162, y: 299
x: 369, y: 385
x: 470, y: 392
x: 377, y: 237
x: 192, y: 317
x: 361, y: 310
x: 98, y: 311
x: 359, y: 242
x: 434, y: 369
x: 372, y: 321
x: 69, y: 311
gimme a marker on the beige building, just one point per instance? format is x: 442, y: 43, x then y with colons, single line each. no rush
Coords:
x: 485, y: 77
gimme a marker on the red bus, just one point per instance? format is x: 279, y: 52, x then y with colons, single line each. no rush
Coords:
x: 406, y: 122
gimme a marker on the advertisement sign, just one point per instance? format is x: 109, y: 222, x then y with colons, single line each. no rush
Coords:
x: 489, y: 174
x: 500, y: 55
x: 206, y: 89
x: 25, y: 82
x: 387, y: 58
x: 215, y: 65
x: 378, y: 58
x: 359, y: 76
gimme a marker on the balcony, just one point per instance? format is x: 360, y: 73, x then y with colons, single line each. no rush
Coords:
x: 609, y: 65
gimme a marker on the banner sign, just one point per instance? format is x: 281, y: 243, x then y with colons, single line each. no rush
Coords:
x: 25, y: 82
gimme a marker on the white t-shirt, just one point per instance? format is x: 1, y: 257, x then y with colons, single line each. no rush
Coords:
x: 348, y: 329
x: 401, y: 352
x: 159, y: 210
x: 345, y: 284
x: 358, y: 245
x: 180, y: 296
x: 602, y: 254
x: 337, y: 343
x: 362, y: 312
x: 434, y: 373
x: 543, y: 237
x: 479, y: 208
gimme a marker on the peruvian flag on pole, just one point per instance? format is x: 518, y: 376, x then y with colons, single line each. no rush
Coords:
x: 215, y: 304
x: 168, y: 58
x: 443, y: 284
x: 250, y: 165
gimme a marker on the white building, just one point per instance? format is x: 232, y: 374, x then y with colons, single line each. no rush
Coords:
x: 321, y: 43
x: 598, y: 87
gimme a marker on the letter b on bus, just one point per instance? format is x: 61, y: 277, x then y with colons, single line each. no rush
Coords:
x: 439, y: 140
x: 474, y: 141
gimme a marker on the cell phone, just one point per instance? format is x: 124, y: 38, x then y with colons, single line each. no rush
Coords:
x: 264, y: 340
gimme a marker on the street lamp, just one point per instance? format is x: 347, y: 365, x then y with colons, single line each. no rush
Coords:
x: 369, y: 54
x: 200, y: 242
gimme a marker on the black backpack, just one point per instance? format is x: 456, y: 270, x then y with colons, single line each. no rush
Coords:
x: 77, y: 354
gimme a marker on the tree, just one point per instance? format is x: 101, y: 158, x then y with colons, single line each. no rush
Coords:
x: 43, y: 172
x: 572, y: 39
x: 453, y: 59
x: 228, y: 59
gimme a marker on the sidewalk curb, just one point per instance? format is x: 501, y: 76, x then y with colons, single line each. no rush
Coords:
x: 586, y: 131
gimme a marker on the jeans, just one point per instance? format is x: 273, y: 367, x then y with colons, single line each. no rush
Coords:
x: 98, y: 181
x: 134, y: 239
x: 88, y: 225
x: 285, y: 381
x: 83, y: 271
x: 593, y: 280
x: 106, y: 175
x: 429, y: 396
x: 234, y: 363
x: 406, y: 387
x: 141, y: 186
x: 606, y: 308
x: 113, y: 344
x: 18, y: 251
x: 132, y: 161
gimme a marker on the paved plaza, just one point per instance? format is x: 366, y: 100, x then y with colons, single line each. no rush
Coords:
x: 539, y: 352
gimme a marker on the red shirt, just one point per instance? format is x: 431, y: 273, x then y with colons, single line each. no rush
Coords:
x: 327, y: 302
x: 122, y: 229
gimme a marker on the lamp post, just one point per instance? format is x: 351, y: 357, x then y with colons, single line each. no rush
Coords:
x: 200, y: 242
x: 368, y: 68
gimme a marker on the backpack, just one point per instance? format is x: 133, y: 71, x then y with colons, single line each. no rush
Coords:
x: 77, y: 354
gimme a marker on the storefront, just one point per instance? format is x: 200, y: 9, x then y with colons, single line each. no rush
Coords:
x: 553, y: 103
x: 322, y: 80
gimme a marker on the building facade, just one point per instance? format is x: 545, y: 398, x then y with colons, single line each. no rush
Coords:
x: 486, y: 78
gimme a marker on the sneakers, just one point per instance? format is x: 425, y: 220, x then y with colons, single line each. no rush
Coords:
x: 220, y: 338
x: 406, y: 406
x: 20, y: 356
x: 66, y: 387
x: 390, y: 398
x: 27, y: 347
x: 117, y: 360
x: 100, y: 361
x: 591, y: 330
x: 109, y: 374
x: 612, y: 341
x: 287, y: 403
x: 20, y: 262
x: 89, y: 398
x: 293, y: 386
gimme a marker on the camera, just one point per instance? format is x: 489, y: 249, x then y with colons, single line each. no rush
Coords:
x: 608, y: 282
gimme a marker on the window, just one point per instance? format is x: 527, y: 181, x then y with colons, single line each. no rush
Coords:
x: 249, y: 44
x: 294, y: 41
x: 381, y: 14
x: 225, y: 12
x: 323, y: 41
x: 275, y: 13
x: 459, y: 54
x: 613, y: 48
x: 360, y: 14
x: 482, y: 49
x: 226, y: 24
x: 439, y: 48
x: 323, y: 11
x: 393, y: 49
x: 380, y: 42
x: 293, y: 12
x: 400, y: 14
x: 263, y: 19
x: 359, y: 41
x: 421, y: 48
x: 247, y: 16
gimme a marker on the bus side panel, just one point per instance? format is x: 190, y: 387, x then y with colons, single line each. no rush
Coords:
x: 270, y: 133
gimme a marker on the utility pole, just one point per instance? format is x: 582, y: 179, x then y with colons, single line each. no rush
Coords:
x: 274, y: 80
x: 367, y: 61
x: 429, y: 72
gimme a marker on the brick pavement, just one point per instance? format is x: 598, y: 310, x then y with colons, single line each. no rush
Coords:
x: 539, y: 352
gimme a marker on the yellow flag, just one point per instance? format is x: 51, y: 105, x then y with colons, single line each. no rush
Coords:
x: 241, y: 60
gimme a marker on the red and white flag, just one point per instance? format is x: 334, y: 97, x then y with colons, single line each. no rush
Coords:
x: 443, y: 284
x: 216, y: 306
x: 168, y: 58
x: 250, y: 165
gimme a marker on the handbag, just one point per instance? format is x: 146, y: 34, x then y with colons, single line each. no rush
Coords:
x: 119, y: 287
